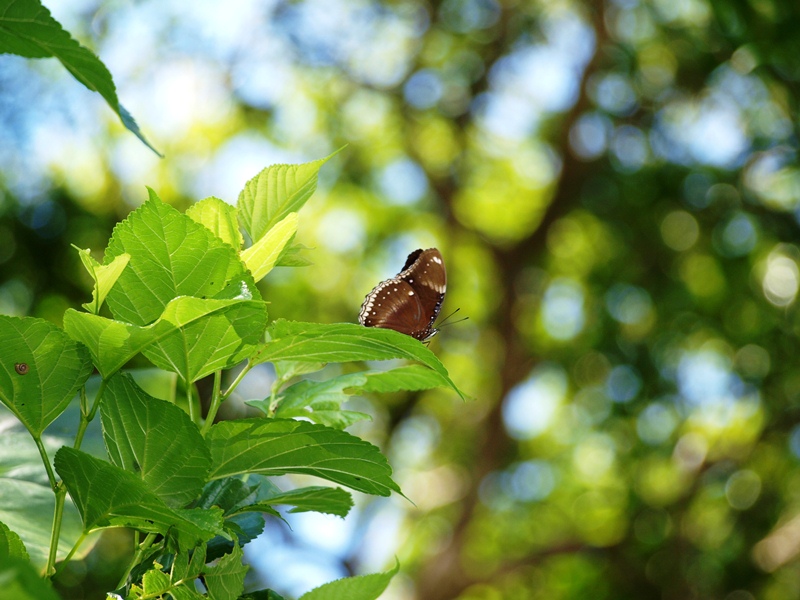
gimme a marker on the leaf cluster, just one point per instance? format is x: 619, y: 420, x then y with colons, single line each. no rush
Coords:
x: 181, y: 291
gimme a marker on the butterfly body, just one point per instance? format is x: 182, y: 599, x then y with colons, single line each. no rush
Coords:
x: 410, y: 301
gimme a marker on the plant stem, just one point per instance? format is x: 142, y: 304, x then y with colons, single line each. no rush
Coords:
x: 216, y: 401
x: 43, y: 453
x: 137, y: 557
x: 236, y: 381
x: 72, y: 551
x: 86, y: 418
x: 190, y: 401
x: 55, y: 532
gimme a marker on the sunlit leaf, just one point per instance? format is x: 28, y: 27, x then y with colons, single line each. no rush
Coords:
x: 41, y: 370
x: 343, y: 342
x: 104, y: 276
x: 261, y: 257
x: 155, y: 582
x: 219, y: 217
x: 274, y: 193
x: 225, y: 580
x: 281, y: 446
x: 113, y: 343
x: 154, y: 439
x: 171, y: 256
x: 363, y: 587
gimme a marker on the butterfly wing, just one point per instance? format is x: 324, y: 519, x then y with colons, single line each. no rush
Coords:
x: 393, y: 304
x: 410, y: 302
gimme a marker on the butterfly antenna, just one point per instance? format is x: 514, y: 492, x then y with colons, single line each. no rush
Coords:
x: 444, y: 321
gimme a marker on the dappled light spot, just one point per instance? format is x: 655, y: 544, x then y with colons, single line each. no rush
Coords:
x: 590, y: 135
x: 781, y: 278
x: 656, y: 423
x: 737, y: 236
x: 628, y: 304
x: 562, y: 309
x: 742, y: 489
x: 531, y: 407
x: 623, y: 384
x: 679, y: 230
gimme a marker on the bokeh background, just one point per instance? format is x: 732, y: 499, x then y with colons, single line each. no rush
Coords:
x: 614, y: 186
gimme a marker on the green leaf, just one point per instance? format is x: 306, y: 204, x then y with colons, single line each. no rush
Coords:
x: 262, y: 595
x: 274, y: 193
x: 155, y: 582
x: 318, y: 401
x: 363, y: 587
x: 185, y: 592
x: 107, y: 496
x: 154, y: 439
x: 261, y: 257
x: 215, y: 342
x: 225, y: 581
x: 20, y: 581
x: 104, y: 276
x: 11, y: 545
x: 281, y: 446
x: 411, y: 378
x: 27, y: 509
x: 291, y: 257
x: 219, y: 217
x: 171, y: 256
x: 185, y: 567
x: 113, y: 343
x: 28, y: 29
x: 343, y: 342
x: 242, y: 529
x: 227, y: 493
x: 332, y: 501
x: 41, y: 370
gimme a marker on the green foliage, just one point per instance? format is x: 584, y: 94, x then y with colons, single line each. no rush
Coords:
x: 29, y: 30
x: 181, y: 291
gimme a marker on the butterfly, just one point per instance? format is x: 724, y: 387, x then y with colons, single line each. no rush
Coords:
x: 410, y: 301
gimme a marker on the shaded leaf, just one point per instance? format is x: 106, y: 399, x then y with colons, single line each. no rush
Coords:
x: 20, y: 581
x: 11, y: 545
x: 41, y: 370
x: 107, y: 496
x: 281, y: 446
x: 292, y: 257
x: 27, y: 509
x: 318, y: 401
x: 154, y: 439
x: 332, y: 501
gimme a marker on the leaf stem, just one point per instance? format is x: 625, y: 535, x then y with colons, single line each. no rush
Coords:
x: 86, y: 417
x: 55, y: 532
x: 137, y: 557
x: 216, y: 401
x: 72, y: 551
x: 190, y: 402
x: 237, y: 381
